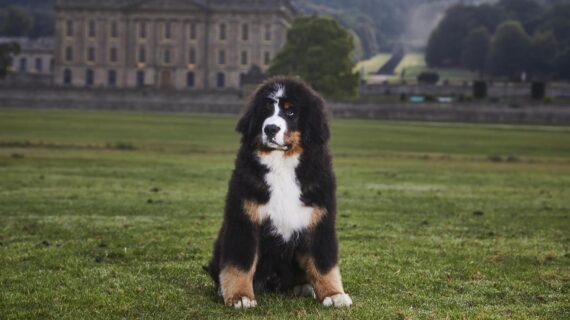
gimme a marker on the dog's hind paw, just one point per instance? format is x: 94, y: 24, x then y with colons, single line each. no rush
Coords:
x: 243, y: 302
x: 305, y: 290
x: 338, y: 300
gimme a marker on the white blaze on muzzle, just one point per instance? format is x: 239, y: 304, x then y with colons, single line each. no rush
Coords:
x: 277, y: 140
x: 275, y: 122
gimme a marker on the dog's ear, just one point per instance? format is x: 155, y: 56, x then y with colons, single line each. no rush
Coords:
x: 315, y: 120
x: 246, y: 123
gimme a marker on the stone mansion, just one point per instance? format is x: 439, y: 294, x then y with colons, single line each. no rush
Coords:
x: 167, y: 44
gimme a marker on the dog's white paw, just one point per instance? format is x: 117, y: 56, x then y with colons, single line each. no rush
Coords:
x: 338, y: 300
x: 305, y: 290
x: 245, y: 303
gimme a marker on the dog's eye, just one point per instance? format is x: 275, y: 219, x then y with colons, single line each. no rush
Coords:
x: 290, y: 113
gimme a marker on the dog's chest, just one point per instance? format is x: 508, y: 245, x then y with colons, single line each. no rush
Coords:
x: 285, y: 209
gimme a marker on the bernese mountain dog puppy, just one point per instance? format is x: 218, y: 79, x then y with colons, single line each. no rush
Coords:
x: 278, y: 231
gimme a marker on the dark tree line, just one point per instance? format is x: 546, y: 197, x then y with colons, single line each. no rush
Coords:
x: 506, y: 39
x: 17, y: 21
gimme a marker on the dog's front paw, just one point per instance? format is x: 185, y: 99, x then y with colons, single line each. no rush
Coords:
x: 241, y: 302
x: 338, y: 300
x: 305, y: 290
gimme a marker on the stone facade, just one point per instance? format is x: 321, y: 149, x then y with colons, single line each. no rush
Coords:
x: 167, y: 44
x: 35, y: 57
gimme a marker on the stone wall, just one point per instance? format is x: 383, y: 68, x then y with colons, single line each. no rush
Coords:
x: 231, y: 103
x: 496, y: 90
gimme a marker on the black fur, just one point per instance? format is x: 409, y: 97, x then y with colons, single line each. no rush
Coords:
x: 239, y: 239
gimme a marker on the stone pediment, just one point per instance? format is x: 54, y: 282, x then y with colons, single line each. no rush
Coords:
x: 168, y: 5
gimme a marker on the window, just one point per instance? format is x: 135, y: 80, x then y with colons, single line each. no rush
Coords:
x: 91, y: 54
x: 23, y: 64
x: 51, y: 64
x: 69, y: 54
x: 223, y: 31
x: 67, y: 77
x: 89, y: 77
x: 244, y: 58
x: 222, y: 57
x: 91, y: 29
x: 69, y: 28
x: 167, y: 57
x: 266, y: 58
x: 193, y: 33
x: 113, y: 55
x: 112, y: 78
x: 192, y: 56
x: 114, y: 29
x: 267, y: 35
x: 190, y: 79
x: 220, y: 80
x: 140, y: 78
x: 39, y: 65
x: 142, y: 30
x: 142, y: 54
x: 167, y: 30
x: 245, y: 32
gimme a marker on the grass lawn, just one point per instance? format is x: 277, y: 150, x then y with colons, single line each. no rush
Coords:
x: 371, y: 66
x: 111, y: 215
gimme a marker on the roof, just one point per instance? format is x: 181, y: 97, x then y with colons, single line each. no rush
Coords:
x: 217, y: 5
x: 27, y: 44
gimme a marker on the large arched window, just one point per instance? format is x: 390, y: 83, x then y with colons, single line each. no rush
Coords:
x: 140, y: 78
x: 67, y: 77
x: 89, y: 77
x: 23, y: 65
x: 39, y: 65
x: 190, y: 79
x: 112, y: 78
x: 220, y: 80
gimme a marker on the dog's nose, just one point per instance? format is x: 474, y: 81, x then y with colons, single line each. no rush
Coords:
x: 271, y: 130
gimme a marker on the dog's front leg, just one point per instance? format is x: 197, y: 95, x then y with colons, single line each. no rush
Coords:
x: 321, y: 267
x: 238, y: 261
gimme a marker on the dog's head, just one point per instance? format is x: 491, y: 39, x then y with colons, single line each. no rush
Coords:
x: 284, y: 114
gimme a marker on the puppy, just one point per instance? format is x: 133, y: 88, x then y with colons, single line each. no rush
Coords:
x: 278, y: 231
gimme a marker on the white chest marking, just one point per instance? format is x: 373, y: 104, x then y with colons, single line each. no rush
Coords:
x: 285, y: 209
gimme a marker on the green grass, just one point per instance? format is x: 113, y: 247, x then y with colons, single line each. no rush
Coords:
x: 411, y: 60
x: 111, y: 215
x: 370, y: 66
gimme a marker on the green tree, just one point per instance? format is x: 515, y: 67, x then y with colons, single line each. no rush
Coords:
x: 557, y: 20
x: 17, y: 22
x: 562, y: 65
x: 476, y: 49
x: 544, y: 49
x: 445, y: 45
x: 510, y: 50
x: 7, y: 52
x: 318, y: 50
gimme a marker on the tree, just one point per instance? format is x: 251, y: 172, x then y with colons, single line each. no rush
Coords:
x: 525, y: 11
x: 445, y: 45
x: 7, y: 52
x: 557, y: 20
x: 17, y: 22
x: 544, y: 49
x: 318, y: 50
x: 476, y: 49
x: 562, y: 65
x: 510, y: 50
